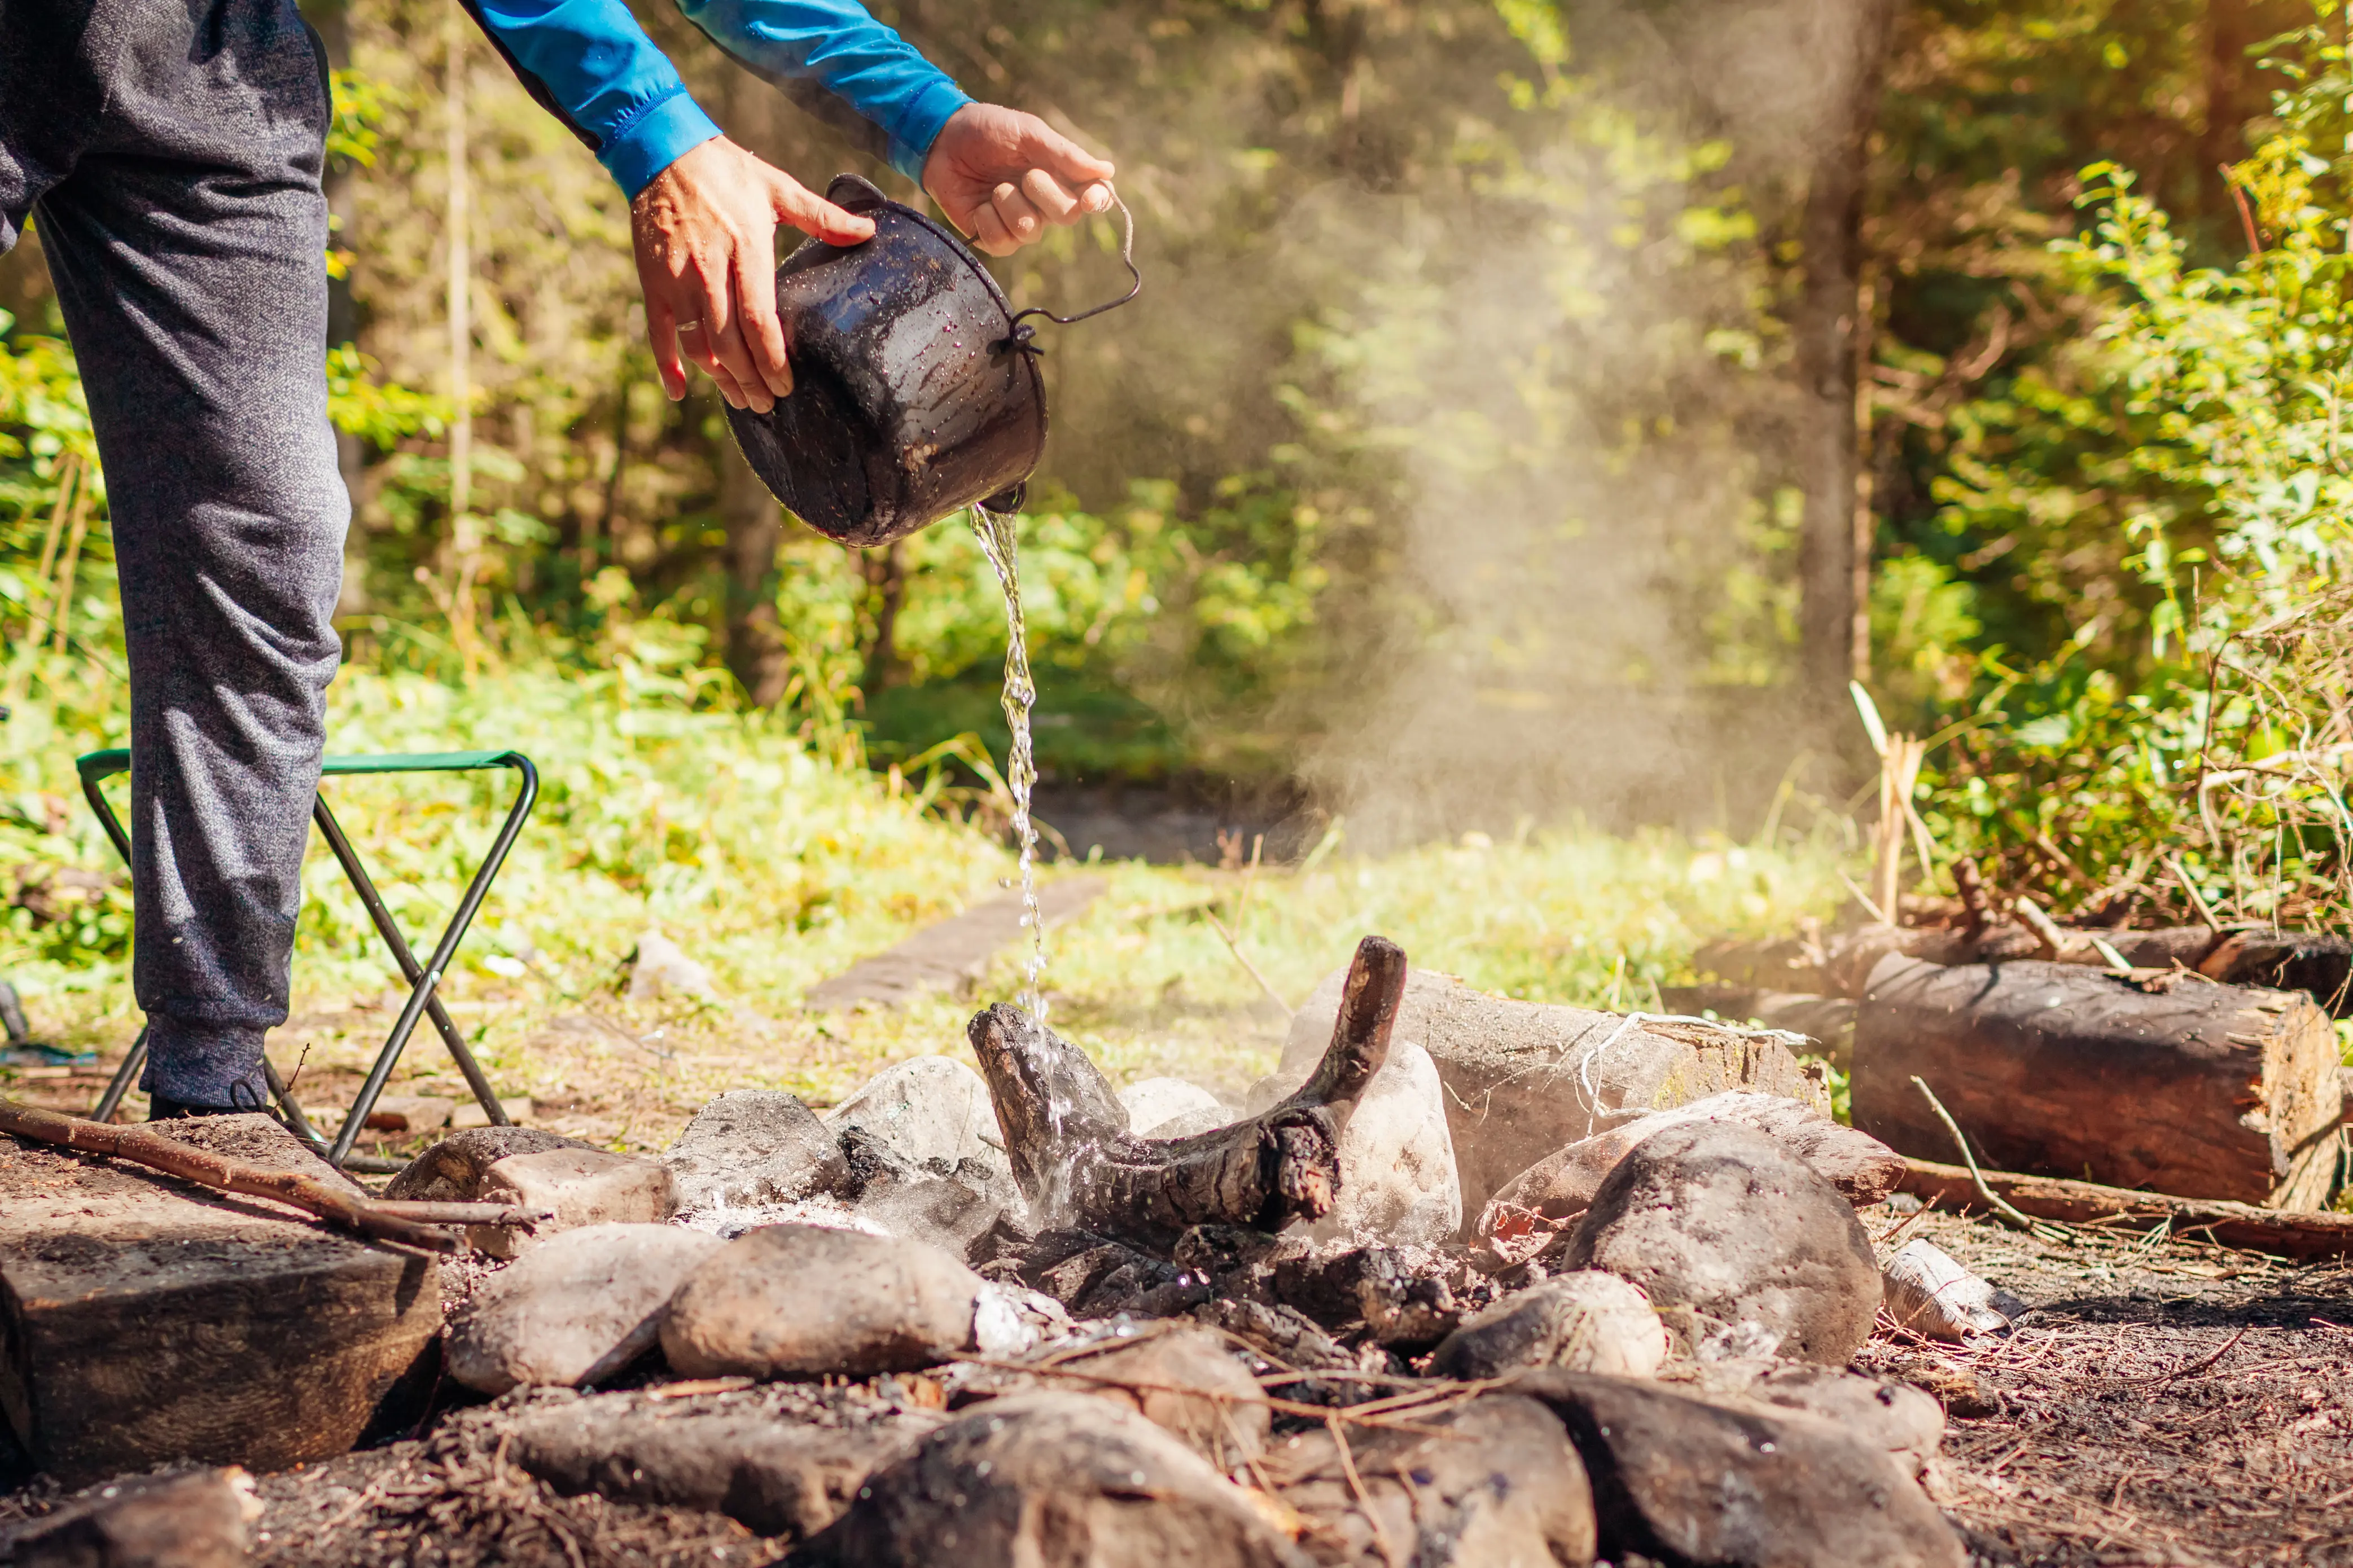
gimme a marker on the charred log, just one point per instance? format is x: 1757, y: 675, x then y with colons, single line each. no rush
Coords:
x: 1067, y: 1134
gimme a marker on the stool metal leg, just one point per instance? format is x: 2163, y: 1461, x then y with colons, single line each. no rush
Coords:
x: 125, y: 1077
x: 356, y: 874
x: 426, y: 982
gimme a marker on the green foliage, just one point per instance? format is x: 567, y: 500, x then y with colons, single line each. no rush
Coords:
x: 2213, y: 418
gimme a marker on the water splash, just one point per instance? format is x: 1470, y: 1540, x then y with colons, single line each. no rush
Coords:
x: 995, y: 531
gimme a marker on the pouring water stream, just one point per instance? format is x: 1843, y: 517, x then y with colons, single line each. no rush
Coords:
x: 997, y: 542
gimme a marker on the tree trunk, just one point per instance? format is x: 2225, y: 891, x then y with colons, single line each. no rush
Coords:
x: 1066, y: 1134
x: 755, y: 643
x: 2168, y: 1082
x: 885, y: 574
x: 1831, y: 340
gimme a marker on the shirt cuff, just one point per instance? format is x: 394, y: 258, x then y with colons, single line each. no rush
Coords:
x: 660, y: 133
x: 914, y: 129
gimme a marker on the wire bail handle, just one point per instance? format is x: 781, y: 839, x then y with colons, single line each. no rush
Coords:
x: 1022, y: 336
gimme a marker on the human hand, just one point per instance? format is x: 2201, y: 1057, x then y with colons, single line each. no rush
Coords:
x: 1002, y: 176
x: 705, y: 236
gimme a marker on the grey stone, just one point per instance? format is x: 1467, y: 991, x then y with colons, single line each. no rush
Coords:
x: 932, y: 1113
x: 750, y: 1147
x: 575, y: 1310
x: 1398, y: 1181
x: 191, y: 1521
x: 577, y: 1186
x: 1895, y: 1417
x: 1718, y: 1219
x: 1051, y: 1477
x: 1497, y: 1485
x: 1929, y: 1292
x: 661, y: 968
x: 452, y: 1172
x: 1184, y: 1381
x: 1587, y: 1321
x: 773, y: 1478
x: 1562, y: 1185
x: 1168, y: 1108
x: 1524, y: 1079
x: 795, y: 1300
x: 1683, y: 1480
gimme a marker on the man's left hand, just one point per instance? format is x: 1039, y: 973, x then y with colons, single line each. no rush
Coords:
x: 1002, y: 176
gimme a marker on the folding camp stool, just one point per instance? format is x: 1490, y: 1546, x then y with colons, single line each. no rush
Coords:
x: 423, y: 982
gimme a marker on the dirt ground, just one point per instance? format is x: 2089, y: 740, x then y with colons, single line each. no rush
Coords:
x: 2165, y: 1402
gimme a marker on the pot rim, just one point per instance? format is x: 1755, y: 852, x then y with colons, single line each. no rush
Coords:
x: 872, y: 196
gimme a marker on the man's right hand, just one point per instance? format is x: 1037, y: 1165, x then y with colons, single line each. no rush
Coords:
x: 705, y: 234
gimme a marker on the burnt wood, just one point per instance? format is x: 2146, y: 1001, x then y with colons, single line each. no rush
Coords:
x: 1067, y: 1134
x: 2164, y: 1081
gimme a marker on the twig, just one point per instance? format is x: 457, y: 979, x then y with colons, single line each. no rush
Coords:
x: 1366, y: 1414
x: 1233, y: 941
x: 2039, y: 1229
x: 2197, y: 899
x: 1364, y: 1498
x: 2046, y: 930
x: 1863, y: 899
x: 2199, y: 1365
x: 412, y: 1224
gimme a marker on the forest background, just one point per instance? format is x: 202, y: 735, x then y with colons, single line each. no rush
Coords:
x: 1535, y: 410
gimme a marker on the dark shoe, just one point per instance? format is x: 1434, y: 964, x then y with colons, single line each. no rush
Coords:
x: 161, y: 1108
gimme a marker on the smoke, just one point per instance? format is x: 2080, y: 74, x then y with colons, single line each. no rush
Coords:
x: 1586, y: 394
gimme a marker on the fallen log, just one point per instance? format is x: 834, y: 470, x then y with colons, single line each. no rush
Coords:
x: 1074, y: 1159
x: 2287, y: 1233
x: 410, y: 1224
x: 2163, y: 1081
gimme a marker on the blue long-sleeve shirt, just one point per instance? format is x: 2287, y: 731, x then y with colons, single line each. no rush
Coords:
x: 589, y: 62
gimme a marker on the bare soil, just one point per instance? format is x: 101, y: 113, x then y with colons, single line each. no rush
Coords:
x: 2164, y: 1402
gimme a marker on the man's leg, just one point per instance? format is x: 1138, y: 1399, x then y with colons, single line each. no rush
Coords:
x: 188, y: 247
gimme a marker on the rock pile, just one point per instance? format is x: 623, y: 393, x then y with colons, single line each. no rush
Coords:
x: 1328, y: 1326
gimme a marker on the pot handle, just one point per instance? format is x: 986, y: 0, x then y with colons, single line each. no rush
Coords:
x: 1022, y: 334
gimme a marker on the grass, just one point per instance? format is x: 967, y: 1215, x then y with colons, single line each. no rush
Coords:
x: 664, y: 808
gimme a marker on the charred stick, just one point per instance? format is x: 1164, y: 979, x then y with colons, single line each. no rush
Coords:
x: 1067, y: 1134
x: 411, y: 1224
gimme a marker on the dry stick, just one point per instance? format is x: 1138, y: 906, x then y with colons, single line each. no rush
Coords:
x: 2046, y: 930
x: 61, y: 615
x: 1232, y: 938
x: 1364, y: 1498
x: 403, y: 1222
x: 1364, y: 1415
x: 2197, y: 899
x: 2041, y: 1230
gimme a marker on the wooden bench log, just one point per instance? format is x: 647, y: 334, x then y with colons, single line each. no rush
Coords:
x: 144, y: 1319
x: 2163, y: 1081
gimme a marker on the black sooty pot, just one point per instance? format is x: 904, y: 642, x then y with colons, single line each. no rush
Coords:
x: 915, y: 387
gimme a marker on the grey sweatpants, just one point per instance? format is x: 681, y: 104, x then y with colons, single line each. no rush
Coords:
x: 171, y: 151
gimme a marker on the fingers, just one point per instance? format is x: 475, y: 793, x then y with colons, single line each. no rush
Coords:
x: 1014, y: 211
x: 662, y: 337
x: 988, y: 231
x: 1046, y: 148
x: 1047, y: 196
x: 803, y: 208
